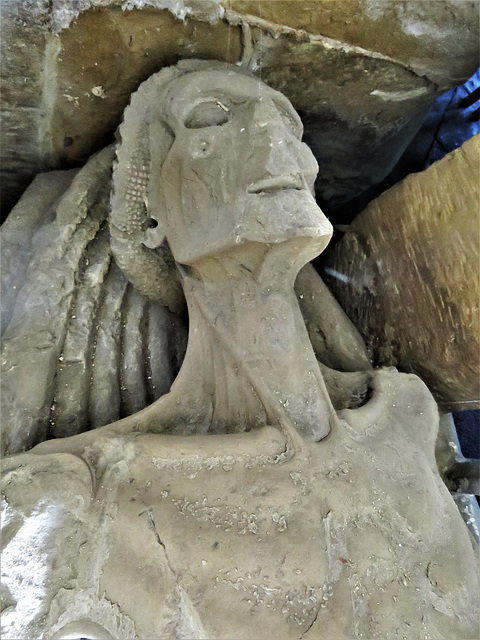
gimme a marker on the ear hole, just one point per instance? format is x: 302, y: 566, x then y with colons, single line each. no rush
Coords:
x: 154, y: 234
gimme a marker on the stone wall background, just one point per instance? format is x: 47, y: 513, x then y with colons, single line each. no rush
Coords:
x: 362, y: 73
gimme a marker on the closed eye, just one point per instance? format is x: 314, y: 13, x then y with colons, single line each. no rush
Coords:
x: 208, y: 114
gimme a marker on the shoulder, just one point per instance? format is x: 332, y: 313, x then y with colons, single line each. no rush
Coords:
x: 400, y: 404
x: 29, y: 479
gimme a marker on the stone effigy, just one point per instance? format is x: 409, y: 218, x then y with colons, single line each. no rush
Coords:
x: 242, y: 503
x: 93, y: 348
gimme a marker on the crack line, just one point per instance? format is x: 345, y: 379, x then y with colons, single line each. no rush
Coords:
x: 153, y: 527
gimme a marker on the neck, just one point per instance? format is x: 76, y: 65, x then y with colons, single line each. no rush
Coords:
x: 249, y: 354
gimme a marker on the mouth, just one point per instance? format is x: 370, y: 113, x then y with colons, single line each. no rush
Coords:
x: 277, y: 183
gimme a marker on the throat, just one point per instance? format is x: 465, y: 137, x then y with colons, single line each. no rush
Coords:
x: 250, y: 352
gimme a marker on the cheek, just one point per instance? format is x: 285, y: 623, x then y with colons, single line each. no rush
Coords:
x: 206, y: 168
x: 213, y: 158
x: 170, y: 179
x: 187, y: 155
x: 172, y: 166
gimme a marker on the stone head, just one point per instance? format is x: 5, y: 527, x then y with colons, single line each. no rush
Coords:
x: 211, y: 159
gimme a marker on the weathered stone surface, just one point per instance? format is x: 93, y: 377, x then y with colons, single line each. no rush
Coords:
x: 423, y: 36
x: 243, y: 536
x: 34, y: 337
x: 336, y: 342
x: 406, y: 272
x: 70, y: 67
x: 71, y: 332
x: 17, y: 233
x: 288, y: 512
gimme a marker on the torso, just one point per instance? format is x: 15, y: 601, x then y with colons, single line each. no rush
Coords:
x: 356, y: 538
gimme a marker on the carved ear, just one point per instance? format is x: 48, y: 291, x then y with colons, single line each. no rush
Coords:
x: 154, y: 234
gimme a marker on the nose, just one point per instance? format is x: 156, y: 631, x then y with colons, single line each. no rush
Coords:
x: 284, y: 157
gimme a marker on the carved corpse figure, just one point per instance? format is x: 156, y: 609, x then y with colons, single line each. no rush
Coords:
x: 278, y: 515
x: 218, y: 177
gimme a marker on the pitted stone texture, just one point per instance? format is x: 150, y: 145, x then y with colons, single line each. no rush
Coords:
x: 244, y: 536
x: 408, y: 276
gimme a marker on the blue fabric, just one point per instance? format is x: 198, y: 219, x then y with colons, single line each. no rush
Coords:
x: 467, y: 424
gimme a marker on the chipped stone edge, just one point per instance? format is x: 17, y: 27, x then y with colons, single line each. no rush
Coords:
x: 62, y: 12
x: 276, y: 30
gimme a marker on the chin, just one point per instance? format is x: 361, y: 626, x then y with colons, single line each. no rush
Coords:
x: 304, y: 244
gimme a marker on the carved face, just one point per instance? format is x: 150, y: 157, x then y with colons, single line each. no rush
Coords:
x: 237, y: 170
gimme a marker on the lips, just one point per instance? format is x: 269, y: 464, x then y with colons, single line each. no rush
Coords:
x: 277, y: 183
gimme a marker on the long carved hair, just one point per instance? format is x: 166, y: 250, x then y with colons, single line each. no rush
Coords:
x: 145, y: 139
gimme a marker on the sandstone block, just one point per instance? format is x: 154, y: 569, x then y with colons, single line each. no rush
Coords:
x: 406, y: 272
